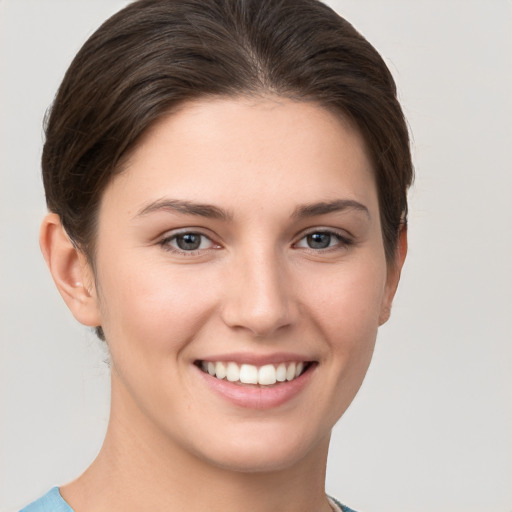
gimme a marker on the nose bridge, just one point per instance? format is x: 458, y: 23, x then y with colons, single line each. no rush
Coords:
x: 259, y: 295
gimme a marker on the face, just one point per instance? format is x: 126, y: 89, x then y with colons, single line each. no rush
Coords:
x: 241, y: 279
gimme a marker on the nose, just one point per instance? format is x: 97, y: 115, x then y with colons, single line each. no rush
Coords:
x: 259, y: 295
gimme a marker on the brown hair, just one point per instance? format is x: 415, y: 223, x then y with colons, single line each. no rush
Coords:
x: 156, y: 54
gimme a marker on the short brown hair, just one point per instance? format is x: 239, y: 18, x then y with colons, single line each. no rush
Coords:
x: 156, y: 54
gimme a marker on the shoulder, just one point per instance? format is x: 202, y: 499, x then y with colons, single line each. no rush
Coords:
x: 339, y: 506
x: 52, y: 501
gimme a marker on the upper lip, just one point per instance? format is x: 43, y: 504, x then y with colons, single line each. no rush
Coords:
x: 257, y: 359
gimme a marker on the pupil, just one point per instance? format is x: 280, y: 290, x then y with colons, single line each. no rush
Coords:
x: 319, y: 240
x: 189, y: 241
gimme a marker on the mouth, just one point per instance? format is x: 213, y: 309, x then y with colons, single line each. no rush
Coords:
x: 251, y: 375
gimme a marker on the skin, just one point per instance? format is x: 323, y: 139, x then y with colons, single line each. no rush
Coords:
x: 255, y: 287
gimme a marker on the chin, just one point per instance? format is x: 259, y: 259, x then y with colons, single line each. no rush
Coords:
x: 264, y: 451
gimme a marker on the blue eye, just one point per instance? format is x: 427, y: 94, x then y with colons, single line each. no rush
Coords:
x: 319, y: 240
x: 187, y: 242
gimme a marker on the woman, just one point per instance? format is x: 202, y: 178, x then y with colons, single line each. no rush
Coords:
x: 226, y: 183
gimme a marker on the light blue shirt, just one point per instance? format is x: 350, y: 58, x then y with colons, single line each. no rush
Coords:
x: 52, y: 501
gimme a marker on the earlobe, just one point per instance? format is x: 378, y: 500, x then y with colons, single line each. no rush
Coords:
x: 70, y: 270
x: 393, y: 277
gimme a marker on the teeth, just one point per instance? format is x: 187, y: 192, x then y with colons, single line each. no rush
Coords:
x: 290, y: 371
x: 267, y: 375
x: 220, y: 370
x: 249, y: 374
x: 281, y: 373
x: 233, y: 372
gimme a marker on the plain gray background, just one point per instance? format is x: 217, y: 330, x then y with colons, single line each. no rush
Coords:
x: 431, y: 429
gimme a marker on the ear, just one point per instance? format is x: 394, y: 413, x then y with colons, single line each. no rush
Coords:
x: 70, y: 270
x: 393, y: 277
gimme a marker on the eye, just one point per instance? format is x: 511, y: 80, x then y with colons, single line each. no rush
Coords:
x: 319, y: 240
x: 188, y: 241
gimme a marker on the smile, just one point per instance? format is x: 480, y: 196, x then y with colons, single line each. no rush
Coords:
x: 266, y: 375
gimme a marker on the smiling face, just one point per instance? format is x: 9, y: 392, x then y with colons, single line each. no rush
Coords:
x: 241, y: 280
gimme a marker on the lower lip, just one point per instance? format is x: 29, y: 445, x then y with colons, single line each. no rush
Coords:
x: 258, y: 397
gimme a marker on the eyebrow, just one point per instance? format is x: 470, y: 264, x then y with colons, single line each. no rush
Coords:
x: 325, y: 207
x: 185, y: 207
x: 214, y: 212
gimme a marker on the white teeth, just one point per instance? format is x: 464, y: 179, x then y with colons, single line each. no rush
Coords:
x: 281, y: 373
x: 233, y: 372
x: 249, y: 374
x: 290, y: 372
x: 220, y: 370
x: 265, y: 375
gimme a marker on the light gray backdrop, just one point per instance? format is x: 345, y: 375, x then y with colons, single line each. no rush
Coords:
x: 431, y: 428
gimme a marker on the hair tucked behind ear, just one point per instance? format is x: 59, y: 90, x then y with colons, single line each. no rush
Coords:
x: 156, y: 54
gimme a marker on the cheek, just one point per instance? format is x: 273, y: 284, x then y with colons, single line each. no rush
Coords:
x: 346, y: 304
x: 150, y: 318
x: 154, y: 311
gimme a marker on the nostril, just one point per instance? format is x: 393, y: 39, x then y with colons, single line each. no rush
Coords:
x: 261, y: 322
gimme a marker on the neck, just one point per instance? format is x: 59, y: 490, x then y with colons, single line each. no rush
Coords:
x: 140, y: 468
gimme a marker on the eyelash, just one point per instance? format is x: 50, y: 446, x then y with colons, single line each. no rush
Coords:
x: 343, y: 242
x: 165, y: 243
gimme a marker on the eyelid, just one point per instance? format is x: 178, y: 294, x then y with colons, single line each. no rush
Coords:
x: 345, y: 238
x: 166, y: 238
x: 342, y: 233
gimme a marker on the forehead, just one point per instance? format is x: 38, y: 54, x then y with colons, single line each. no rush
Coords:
x: 228, y: 149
